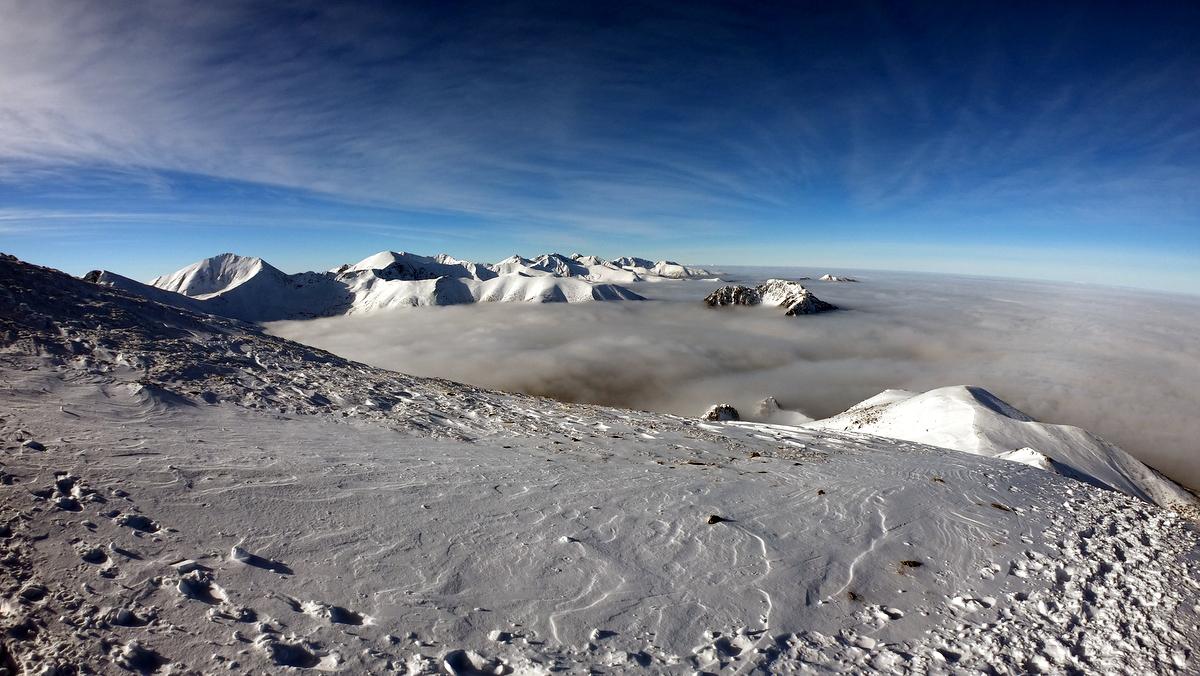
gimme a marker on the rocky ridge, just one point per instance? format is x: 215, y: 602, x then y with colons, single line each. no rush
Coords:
x: 795, y: 298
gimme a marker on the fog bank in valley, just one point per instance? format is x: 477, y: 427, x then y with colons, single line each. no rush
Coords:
x: 1122, y: 364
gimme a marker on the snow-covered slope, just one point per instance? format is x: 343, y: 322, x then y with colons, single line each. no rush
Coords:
x: 185, y: 494
x: 973, y: 420
x: 251, y: 289
x: 399, y: 265
x: 215, y: 275
x: 254, y: 293
x: 113, y: 280
x: 661, y: 269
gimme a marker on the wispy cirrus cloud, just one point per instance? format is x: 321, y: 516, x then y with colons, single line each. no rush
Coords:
x: 656, y: 121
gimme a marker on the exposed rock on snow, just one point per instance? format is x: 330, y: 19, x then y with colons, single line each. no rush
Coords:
x: 973, y: 420
x: 250, y: 289
x: 579, y: 532
x: 778, y: 292
x: 834, y: 278
x: 721, y: 412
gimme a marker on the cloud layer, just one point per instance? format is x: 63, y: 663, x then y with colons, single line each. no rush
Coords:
x: 1120, y: 364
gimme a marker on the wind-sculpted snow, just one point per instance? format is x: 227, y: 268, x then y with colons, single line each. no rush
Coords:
x: 183, y: 493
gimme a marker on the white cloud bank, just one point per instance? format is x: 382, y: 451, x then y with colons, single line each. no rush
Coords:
x: 1125, y: 365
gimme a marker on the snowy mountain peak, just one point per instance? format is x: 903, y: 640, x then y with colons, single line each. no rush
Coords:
x: 560, y: 265
x: 973, y: 420
x: 377, y: 261
x: 633, y: 262
x: 214, y: 275
x: 588, y: 260
x: 515, y: 259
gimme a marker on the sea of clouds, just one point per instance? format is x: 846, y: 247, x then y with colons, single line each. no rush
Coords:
x: 1123, y: 364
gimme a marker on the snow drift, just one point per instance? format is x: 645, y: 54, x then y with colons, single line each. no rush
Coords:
x: 973, y: 420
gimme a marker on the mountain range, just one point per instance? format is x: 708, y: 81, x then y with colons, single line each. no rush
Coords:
x: 250, y: 289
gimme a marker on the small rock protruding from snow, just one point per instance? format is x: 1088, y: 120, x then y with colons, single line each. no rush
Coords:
x: 1029, y: 456
x: 721, y: 413
x: 239, y: 554
x: 768, y: 407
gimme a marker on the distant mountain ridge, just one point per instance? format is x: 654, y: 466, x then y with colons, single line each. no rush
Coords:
x: 250, y: 289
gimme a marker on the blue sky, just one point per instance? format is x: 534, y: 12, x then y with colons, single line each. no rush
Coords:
x: 1048, y: 140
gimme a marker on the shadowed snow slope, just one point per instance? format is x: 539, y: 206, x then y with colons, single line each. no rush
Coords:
x: 973, y: 420
x: 252, y: 290
x: 182, y: 492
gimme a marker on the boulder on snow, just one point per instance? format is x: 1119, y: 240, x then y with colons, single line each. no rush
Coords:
x: 721, y: 412
x: 768, y: 407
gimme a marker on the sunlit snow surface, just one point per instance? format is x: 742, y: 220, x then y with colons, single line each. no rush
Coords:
x: 206, y: 495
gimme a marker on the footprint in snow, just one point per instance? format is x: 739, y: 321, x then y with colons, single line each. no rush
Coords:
x: 135, y: 657
x: 470, y: 663
x: 287, y: 654
x: 137, y: 522
x: 198, y: 585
